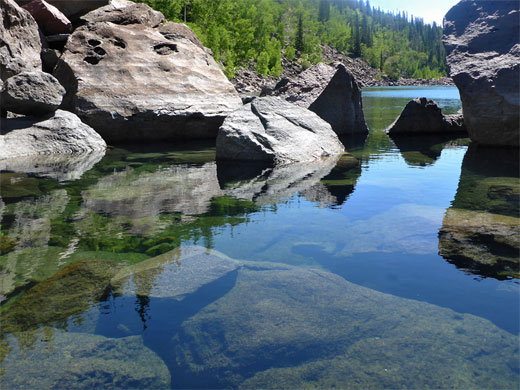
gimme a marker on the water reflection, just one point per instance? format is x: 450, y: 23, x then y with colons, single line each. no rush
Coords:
x: 481, y: 231
x: 271, y: 185
x: 423, y: 150
x: 58, y: 167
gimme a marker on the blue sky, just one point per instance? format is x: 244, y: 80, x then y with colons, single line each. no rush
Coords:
x: 428, y: 10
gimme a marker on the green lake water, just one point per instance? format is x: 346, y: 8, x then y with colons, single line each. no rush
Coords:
x: 392, y: 266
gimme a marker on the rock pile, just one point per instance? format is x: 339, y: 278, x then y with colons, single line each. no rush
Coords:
x: 26, y: 90
x: 482, y: 40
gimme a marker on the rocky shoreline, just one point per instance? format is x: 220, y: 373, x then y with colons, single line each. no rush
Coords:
x: 248, y: 81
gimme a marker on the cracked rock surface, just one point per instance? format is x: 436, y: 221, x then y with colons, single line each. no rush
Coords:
x: 275, y: 131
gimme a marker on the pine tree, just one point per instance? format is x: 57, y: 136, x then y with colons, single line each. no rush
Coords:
x: 298, y: 43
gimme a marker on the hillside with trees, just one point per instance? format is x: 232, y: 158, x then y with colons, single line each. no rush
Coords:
x: 242, y: 32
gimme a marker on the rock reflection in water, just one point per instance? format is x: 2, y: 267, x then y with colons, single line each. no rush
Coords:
x: 266, y: 185
x: 59, y: 167
x: 481, y: 231
x: 423, y: 149
x: 179, y: 188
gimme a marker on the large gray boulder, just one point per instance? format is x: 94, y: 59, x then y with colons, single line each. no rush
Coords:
x: 423, y: 116
x: 330, y: 91
x: 20, y: 43
x: 32, y: 93
x: 482, y: 41
x: 61, y: 132
x: 130, y: 82
x: 273, y: 130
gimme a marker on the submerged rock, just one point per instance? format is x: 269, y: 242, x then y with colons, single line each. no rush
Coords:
x: 423, y: 116
x: 483, y: 52
x: 68, y: 293
x: 20, y: 44
x: 174, y: 274
x: 132, y: 83
x: 32, y: 93
x: 61, y: 132
x: 275, y: 131
x: 48, y: 17
x: 282, y: 326
x: 330, y: 91
x: 55, y: 359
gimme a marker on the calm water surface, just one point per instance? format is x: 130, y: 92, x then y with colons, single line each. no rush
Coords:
x: 159, y: 267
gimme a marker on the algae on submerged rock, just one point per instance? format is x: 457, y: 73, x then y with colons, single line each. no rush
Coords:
x: 60, y: 360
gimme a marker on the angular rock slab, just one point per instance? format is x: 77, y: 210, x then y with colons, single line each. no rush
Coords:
x: 73, y: 9
x: 59, y: 133
x: 32, y: 93
x: 275, y: 131
x: 20, y: 43
x: 423, y: 116
x: 330, y: 91
x: 482, y: 41
x: 48, y: 17
x: 288, y: 327
x: 54, y: 359
x: 174, y: 274
x: 131, y: 83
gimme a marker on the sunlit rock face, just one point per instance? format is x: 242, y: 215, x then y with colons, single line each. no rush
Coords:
x: 481, y: 231
x: 60, y: 132
x: 132, y: 81
x: 274, y: 131
x: 20, y: 43
x: 482, y: 40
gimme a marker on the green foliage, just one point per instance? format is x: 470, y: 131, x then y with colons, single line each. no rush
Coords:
x: 290, y: 53
x: 262, y: 63
x: 240, y: 31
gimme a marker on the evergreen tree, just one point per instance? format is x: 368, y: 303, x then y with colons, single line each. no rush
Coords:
x: 298, y: 43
